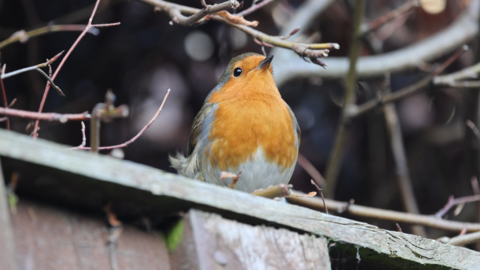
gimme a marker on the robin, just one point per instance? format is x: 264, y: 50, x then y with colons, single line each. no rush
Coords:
x: 244, y: 125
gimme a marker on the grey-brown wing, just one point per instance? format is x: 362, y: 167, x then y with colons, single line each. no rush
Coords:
x: 198, y: 123
x: 295, y: 123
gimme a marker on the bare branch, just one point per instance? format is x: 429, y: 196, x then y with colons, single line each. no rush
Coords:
x: 461, y: 31
x: 105, y: 24
x: 474, y: 128
x: 63, y: 118
x: 104, y: 112
x: 23, y: 36
x: 264, y: 38
x: 335, y: 158
x: 177, y: 16
x: 37, y: 68
x: 401, y: 166
x: 12, y: 103
x: 59, y: 91
x: 4, y: 97
x: 465, y: 84
x: 16, y: 72
x: 393, y: 14
x: 84, y: 138
x: 125, y: 144
x: 452, y: 202
x: 294, y: 31
x: 311, y: 170
x: 404, y: 92
x: 271, y: 192
x: 454, y: 79
x: 375, y: 213
x: 237, y: 19
x: 255, y: 7
x: 321, y: 194
x: 465, y: 239
x: 47, y: 87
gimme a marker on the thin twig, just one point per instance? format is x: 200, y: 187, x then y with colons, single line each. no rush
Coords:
x: 465, y: 84
x: 293, y: 32
x: 100, y: 25
x: 466, y: 73
x: 47, y: 87
x: 452, y: 202
x: 63, y: 118
x: 310, y: 169
x: 255, y: 7
x: 474, y: 128
x: 235, y: 180
x: 309, y: 195
x: 59, y: 91
x: 356, y: 111
x: 277, y: 191
x: 465, y: 239
x: 375, y: 213
x: 42, y: 65
x: 22, y: 70
x: 234, y: 18
x: 321, y: 194
x: 84, y: 138
x: 5, y: 102
x: 401, y: 166
x: 125, y: 144
x: 475, y: 185
x: 12, y: 103
x: 476, y: 191
x: 24, y: 36
x: 391, y: 15
x: 37, y: 68
x: 349, y: 101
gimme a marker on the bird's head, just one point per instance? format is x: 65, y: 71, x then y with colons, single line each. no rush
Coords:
x: 249, y: 65
x: 248, y: 72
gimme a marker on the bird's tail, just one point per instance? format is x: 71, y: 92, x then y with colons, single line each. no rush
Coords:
x: 184, y: 166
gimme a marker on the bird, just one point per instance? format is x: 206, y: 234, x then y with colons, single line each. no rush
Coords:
x: 243, y: 126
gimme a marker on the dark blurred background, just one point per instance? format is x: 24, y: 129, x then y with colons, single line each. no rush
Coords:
x: 144, y: 56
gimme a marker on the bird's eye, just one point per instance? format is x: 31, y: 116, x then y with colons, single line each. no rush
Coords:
x: 237, y: 72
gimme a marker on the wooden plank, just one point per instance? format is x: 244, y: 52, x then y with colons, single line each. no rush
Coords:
x: 212, y: 242
x: 7, y: 243
x: 166, y: 192
x: 51, y: 238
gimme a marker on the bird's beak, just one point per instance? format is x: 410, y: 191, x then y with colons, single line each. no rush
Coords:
x: 265, y: 63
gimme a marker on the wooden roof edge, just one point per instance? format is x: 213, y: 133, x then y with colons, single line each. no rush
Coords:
x: 159, y: 183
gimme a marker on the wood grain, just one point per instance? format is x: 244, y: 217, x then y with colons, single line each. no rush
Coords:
x: 166, y: 192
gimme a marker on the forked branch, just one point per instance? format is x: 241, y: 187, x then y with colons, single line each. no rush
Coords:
x: 303, y: 49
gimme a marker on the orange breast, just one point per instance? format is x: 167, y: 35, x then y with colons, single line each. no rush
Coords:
x: 246, y: 120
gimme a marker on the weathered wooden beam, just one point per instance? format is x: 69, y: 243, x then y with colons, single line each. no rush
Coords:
x: 212, y: 242
x: 7, y: 243
x: 98, y: 178
x: 51, y: 238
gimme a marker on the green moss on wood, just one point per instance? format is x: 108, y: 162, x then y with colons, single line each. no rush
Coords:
x: 174, y: 235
